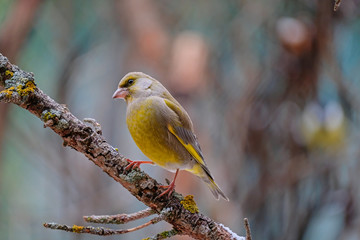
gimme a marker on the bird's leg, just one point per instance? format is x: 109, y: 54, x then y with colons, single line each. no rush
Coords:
x: 135, y: 164
x: 171, y: 187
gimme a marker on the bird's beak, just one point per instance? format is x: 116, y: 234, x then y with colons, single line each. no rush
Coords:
x: 120, y: 93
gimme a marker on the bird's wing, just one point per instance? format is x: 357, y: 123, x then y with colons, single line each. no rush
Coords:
x: 184, y: 133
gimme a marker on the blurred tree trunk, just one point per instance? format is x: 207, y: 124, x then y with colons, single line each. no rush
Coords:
x: 148, y: 45
x: 269, y: 113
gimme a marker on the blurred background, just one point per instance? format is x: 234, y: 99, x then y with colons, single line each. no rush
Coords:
x: 271, y: 86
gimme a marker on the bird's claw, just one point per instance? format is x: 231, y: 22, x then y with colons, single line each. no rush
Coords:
x: 135, y: 164
x: 170, y: 189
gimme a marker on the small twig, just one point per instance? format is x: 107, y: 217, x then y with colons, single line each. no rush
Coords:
x: 164, y: 235
x: 100, y: 230
x: 337, y: 5
x: 119, y: 218
x: 247, y: 228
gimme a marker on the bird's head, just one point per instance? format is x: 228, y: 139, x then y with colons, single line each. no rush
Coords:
x: 135, y: 85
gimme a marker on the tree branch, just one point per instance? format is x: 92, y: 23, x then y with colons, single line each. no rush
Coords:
x: 21, y: 90
x: 119, y: 218
x: 100, y: 230
x: 247, y: 228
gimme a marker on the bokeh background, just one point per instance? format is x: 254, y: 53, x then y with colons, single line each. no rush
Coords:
x: 271, y: 86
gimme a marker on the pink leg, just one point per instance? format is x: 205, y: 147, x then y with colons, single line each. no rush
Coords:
x: 136, y: 164
x: 171, y: 187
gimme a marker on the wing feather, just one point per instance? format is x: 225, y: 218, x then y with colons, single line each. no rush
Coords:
x: 184, y: 132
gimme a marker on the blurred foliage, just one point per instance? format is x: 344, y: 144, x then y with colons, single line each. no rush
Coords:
x: 271, y: 87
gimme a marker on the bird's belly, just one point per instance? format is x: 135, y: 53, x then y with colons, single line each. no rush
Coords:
x: 151, y: 136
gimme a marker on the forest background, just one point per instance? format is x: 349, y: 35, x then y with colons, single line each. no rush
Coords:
x: 271, y: 86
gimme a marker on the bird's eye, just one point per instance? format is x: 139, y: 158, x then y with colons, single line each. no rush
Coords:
x: 130, y: 81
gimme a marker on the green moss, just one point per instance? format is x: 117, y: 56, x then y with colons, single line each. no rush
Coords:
x: 165, y: 234
x: 133, y: 176
x: 55, y: 115
x: 62, y: 124
x: 189, y: 204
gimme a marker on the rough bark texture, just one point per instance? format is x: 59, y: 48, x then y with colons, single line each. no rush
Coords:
x: 21, y: 90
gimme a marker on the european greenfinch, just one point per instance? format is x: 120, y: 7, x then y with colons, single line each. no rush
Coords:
x: 162, y: 129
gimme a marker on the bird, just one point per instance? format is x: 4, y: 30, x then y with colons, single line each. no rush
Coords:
x: 162, y: 129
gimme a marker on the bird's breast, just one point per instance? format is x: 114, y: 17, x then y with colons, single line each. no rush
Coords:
x: 148, y: 128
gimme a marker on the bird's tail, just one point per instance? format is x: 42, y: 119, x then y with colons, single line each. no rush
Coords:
x: 203, y: 172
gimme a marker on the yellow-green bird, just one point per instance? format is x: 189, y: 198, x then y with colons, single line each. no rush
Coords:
x: 162, y: 129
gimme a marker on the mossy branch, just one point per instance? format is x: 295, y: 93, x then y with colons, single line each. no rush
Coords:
x: 101, y: 231
x: 20, y: 89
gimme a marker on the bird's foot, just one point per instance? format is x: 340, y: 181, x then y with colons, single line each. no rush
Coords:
x: 170, y: 187
x: 136, y: 164
x: 169, y: 190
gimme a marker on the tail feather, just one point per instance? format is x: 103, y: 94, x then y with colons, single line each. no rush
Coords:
x: 203, y: 172
x: 214, y: 188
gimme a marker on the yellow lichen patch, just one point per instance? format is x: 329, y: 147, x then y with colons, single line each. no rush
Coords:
x: 47, y: 116
x: 189, y: 204
x: 9, y: 74
x: 19, y: 87
x: 31, y: 85
x: 8, y: 92
x: 77, y: 228
x: 25, y: 90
